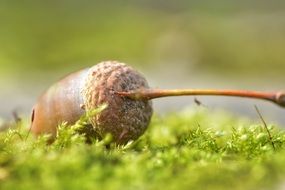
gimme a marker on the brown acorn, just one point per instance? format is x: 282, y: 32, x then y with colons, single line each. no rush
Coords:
x: 124, y: 118
x: 127, y: 95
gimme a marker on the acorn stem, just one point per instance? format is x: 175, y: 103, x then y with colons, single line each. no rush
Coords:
x: 148, y: 94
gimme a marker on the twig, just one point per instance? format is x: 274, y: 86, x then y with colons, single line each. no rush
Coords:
x: 265, y: 126
x: 29, y: 131
x: 30, y: 128
x: 199, y: 103
x: 16, y: 117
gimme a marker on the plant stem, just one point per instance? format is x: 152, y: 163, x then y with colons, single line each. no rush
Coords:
x: 148, y: 94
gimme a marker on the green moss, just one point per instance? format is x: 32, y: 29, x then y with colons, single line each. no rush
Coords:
x: 187, y: 150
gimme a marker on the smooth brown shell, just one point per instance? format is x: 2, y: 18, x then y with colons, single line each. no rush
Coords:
x: 60, y: 103
x: 124, y: 119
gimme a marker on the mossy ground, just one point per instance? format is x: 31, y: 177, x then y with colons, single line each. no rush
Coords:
x: 194, y: 149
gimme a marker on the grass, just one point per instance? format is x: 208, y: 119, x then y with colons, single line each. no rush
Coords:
x: 193, y: 149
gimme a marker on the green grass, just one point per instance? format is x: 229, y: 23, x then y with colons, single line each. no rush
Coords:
x: 194, y: 149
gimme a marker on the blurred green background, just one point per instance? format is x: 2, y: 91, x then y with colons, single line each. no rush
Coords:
x: 232, y: 40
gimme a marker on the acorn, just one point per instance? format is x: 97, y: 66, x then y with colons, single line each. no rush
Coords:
x: 67, y: 100
x: 127, y: 95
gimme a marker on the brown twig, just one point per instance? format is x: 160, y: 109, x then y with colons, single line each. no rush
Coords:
x: 148, y: 94
x: 30, y: 128
x: 265, y: 126
x: 16, y: 117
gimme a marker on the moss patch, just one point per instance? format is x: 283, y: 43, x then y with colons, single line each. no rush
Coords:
x: 194, y: 149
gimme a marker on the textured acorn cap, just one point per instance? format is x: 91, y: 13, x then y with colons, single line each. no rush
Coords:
x: 125, y: 119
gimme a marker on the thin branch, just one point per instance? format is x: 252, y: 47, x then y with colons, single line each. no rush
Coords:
x: 265, y: 126
x: 32, y: 120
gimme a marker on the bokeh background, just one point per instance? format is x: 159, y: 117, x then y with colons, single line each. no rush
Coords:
x: 176, y: 44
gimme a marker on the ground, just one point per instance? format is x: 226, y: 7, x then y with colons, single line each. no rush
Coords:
x: 192, y: 149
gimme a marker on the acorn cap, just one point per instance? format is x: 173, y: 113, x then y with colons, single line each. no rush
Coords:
x: 125, y: 119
